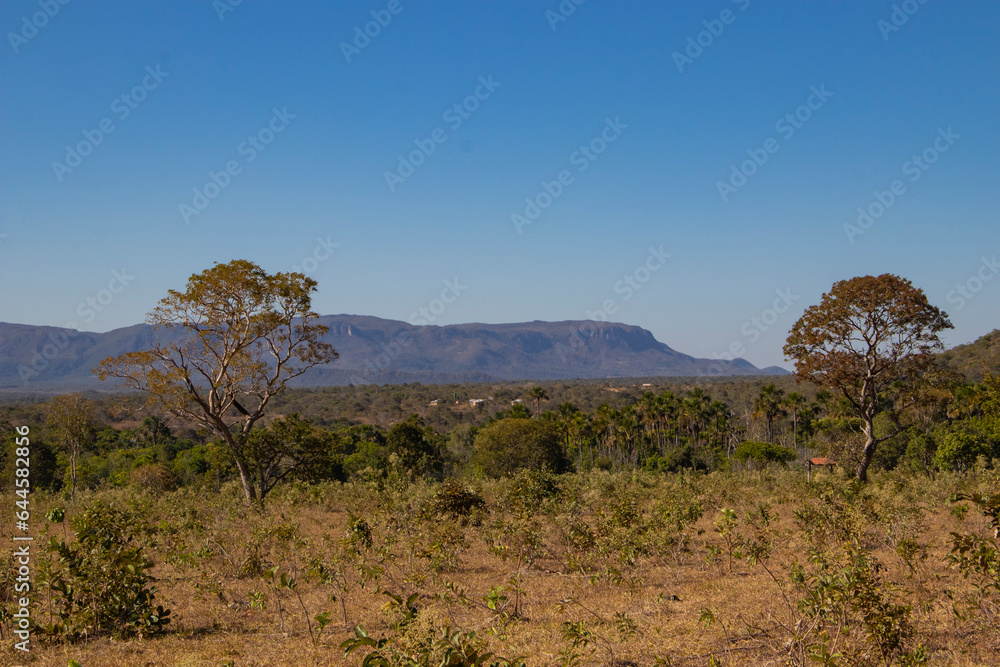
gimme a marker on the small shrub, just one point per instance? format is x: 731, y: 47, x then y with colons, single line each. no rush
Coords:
x: 528, y: 490
x: 99, y: 582
x: 155, y: 478
x: 676, y: 459
x: 977, y: 556
x: 456, y: 499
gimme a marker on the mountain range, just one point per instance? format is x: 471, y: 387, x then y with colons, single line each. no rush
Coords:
x: 381, y: 351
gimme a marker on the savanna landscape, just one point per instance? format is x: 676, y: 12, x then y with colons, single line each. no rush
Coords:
x: 193, y: 521
x: 534, y: 333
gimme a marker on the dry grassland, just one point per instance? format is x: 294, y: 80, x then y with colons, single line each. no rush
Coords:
x: 597, y: 569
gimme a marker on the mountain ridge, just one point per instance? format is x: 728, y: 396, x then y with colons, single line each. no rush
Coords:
x: 383, y: 351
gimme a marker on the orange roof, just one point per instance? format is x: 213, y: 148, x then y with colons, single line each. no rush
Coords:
x: 820, y: 461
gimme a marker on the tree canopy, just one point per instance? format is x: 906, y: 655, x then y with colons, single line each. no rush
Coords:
x: 872, y: 339
x: 225, y: 346
x: 508, y: 445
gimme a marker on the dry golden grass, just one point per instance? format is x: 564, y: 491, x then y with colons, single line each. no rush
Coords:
x: 684, y: 605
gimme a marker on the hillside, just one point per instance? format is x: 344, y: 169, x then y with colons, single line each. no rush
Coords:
x: 375, y: 350
x: 970, y: 359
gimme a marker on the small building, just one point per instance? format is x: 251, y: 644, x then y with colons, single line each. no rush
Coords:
x: 516, y: 401
x: 818, y: 461
x: 434, y: 402
x: 476, y: 401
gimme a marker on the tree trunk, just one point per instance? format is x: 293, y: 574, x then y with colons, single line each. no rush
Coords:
x: 869, y: 451
x: 247, y: 480
x: 72, y: 474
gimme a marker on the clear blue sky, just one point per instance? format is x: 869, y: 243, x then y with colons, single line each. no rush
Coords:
x: 198, y: 85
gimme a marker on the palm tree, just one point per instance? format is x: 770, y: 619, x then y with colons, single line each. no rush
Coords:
x: 518, y: 411
x: 564, y: 415
x: 670, y: 407
x: 650, y: 411
x: 580, y: 430
x: 605, y: 419
x: 769, y: 405
x: 695, y: 413
x: 967, y: 401
x: 628, y: 426
x: 720, y: 414
x: 538, y: 394
x: 567, y: 410
x: 796, y: 403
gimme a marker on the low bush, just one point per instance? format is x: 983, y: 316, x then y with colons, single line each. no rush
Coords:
x: 98, y: 584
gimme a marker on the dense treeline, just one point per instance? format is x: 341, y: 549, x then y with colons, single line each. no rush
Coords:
x: 437, y: 432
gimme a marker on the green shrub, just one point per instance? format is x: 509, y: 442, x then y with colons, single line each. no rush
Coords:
x: 960, y: 447
x: 763, y: 452
x: 99, y: 583
x: 190, y: 464
x: 976, y: 556
x: 367, y: 455
x: 528, y: 490
x: 676, y: 459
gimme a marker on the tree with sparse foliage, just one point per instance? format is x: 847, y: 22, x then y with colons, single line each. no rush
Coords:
x: 72, y: 418
x: 872, y: 339
x: 225, y: 347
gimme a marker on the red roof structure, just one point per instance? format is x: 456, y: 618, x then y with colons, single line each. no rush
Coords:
x: 818, y: 461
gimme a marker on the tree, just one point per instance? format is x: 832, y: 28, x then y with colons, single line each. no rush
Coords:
x: 796, y: 402
x: 960, y: 447
x: 518, y: 411
x: 508, y: 445
x: 694, y: 411
x: 770, y: 404
x: 409, y: 440
x: 153, y: 430
x: 72, y: 418
x: 231, y: 342
x: 991, y: 394
x: 287, y: 446
x: 871, y: 339
x: 538, y: 394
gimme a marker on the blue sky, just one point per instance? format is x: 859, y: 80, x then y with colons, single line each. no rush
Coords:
x: 739, y: 138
